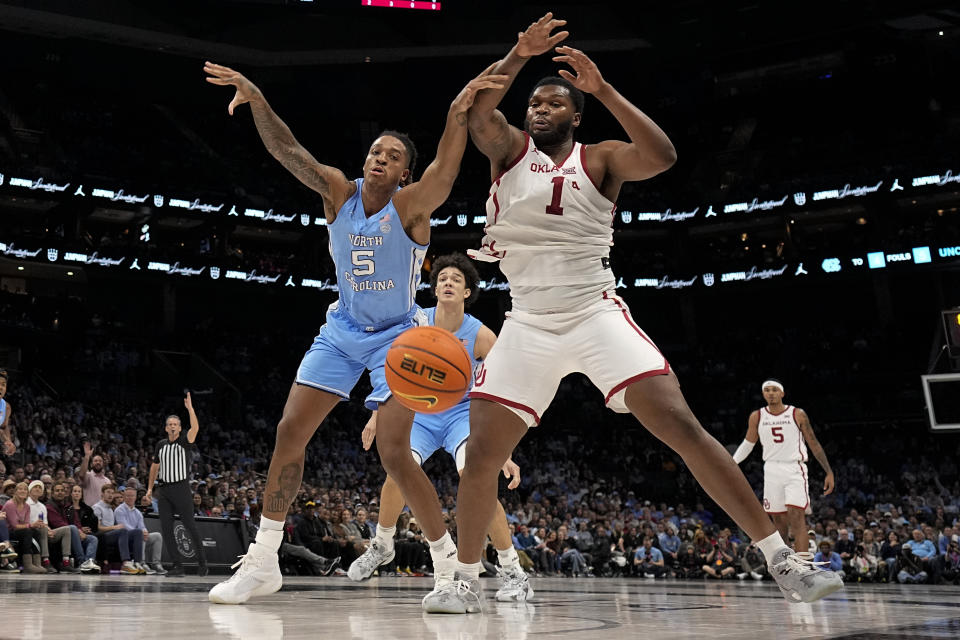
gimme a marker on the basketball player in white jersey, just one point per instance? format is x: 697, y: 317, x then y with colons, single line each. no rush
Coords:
x: 549, y: 218
x: 784, y: 433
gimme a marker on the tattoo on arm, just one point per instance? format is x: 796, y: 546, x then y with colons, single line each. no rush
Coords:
x: 281, y: 144
x: 290, y: 477
x: 815, y: 446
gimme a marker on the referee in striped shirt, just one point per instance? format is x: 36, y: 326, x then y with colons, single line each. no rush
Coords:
x: 171, y: 471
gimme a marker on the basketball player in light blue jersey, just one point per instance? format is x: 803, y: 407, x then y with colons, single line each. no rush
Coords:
x: 378, y: 236
x: 5, y: 411
x: 455, y: 284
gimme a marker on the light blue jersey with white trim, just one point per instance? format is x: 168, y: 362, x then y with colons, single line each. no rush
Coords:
x: 377, y: 263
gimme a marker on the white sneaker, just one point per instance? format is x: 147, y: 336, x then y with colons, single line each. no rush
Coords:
x: 800, y: 579
x: 147, y: 569
x: 375, y: 556
x: 258, y: 575
x: 514, y: 585
x: 756, y: 576
x: 462, y: 595
x: 129, y: 567
x: 89, y: 566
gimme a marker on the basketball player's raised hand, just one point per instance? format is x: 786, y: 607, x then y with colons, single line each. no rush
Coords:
x: 587, y: 78
x: 246, y: 90
x: 537, y: 39
x: 511, y: 471
x: 464, y: 100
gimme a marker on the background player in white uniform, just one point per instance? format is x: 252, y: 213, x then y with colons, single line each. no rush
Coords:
x: 784, y: 433
x: 376, y: 284
x: 455, y: 283
x: 5, y: 412
x: 548, y: 222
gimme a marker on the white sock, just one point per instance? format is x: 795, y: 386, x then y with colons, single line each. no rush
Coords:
x: 508, y: 557
x: 385, y: 536
x: 443, y: 549
x: 470, y: 570
x: 770, y: 545
x: 270, y: 534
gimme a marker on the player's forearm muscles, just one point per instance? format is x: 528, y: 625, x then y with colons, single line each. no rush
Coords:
x: 279, y: 141
x: 821, y: 456
x: 642, y: 131
x: 488, y: 99
x: 451, y: 146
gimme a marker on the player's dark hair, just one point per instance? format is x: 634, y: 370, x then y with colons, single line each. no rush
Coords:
x: 407, y: 144
x: 575, y: 94
x: 3, y: 374
x: 470, y: 275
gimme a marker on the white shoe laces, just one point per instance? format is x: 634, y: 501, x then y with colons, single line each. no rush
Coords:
x: 247, y: 563
x: 803, y: 562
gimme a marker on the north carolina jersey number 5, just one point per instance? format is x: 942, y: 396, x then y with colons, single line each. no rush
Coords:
x: 362, y: 262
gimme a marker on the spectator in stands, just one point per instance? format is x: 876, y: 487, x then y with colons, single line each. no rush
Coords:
x: 8, y: 487
x: 890, y: 553
x: 670, y: 545
x: 752, y: 562
x: 572, y: 562
x: 26, y: 535
x: 56, y: 518
x: 602, y: 551
x: 827, y: 555
x: 130, y: 517
x: 690, y: 563
x: 648, y: 560
x: 924, y: 552
x: 61, y: 536
x: 910, y: 567
x: 950, y: 564
x: 112, y: 533
x: 78, y: 514
x: 871, y: 552
x: 92, y: 479
x: 291, y: 551
x: 720, y: 560
x: 309, y: 530
x: 943, y: 540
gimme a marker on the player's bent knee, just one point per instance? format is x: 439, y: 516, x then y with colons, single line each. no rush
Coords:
x: 293, y: 434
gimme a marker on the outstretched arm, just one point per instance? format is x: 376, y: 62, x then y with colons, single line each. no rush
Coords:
x: 649, y: 151
x: 488, y: 127
x: 419, y: 200
x: 329, y: 182
x: 807, y: 430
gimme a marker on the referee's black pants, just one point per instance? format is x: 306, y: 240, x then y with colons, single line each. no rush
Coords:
x: 172, y: 498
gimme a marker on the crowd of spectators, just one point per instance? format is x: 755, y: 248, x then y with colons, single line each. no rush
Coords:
x: 624, y: 506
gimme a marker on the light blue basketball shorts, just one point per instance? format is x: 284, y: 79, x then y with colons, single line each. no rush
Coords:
x: 343, y: 350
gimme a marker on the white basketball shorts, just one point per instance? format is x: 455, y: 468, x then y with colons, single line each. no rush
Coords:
x: 534, y: 351
x: 785, y: 485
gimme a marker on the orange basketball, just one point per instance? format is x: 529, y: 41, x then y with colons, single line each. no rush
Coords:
x: 428, y: 369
